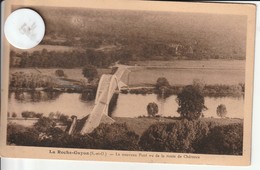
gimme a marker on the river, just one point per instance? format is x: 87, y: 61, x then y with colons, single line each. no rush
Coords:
x: 128, y: 105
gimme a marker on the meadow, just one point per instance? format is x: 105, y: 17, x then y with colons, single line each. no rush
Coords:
x: 75, y: 73
x: 183, y: 72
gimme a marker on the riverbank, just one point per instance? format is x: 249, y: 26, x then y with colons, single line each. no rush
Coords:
x: 63, y: 89
x: 207, y: 91
x: 217, y: 90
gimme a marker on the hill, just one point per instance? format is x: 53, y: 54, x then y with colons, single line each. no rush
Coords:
x: 141, y: 35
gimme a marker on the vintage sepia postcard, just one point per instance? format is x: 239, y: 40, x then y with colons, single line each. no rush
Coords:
x: 132, y: 81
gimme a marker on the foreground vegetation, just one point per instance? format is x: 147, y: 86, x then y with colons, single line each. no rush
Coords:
x: 207, y: 136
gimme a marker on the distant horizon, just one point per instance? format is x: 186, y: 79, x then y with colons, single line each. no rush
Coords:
x: 135, y: 29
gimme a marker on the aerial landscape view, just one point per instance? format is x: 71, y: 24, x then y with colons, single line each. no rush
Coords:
x: 131, y: 80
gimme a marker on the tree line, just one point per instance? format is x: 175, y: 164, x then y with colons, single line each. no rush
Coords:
x: 61, y: 59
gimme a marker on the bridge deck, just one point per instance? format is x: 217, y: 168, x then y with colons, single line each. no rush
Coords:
x: 107, y: 86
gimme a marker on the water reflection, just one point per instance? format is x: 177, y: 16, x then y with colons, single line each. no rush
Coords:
x: 87, y: 96
x: 66, y: 103
x: 131, y: 105
x: 122, y: 105
x: 35, y: 96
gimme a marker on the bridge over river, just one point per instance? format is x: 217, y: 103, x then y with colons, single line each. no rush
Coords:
x: 107, y: 86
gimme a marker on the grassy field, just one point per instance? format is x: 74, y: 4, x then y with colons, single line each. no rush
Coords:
x: 183, y: 72
x: 139, y: 125
x: 186, y: 76
x: 209, y: 64
x: 75, y: 74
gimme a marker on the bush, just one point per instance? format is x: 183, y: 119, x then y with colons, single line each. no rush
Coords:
x: 221, y: 90
x: 59, y: 73
x: 162, y: 82
x: 90, y: 72
x: 221, y: 110
x: 14, y: 115
x: 53, y: 137
x: 152, y: 109
x: 20, y: 135
x: 46, y: 135
x: 28, y: 114
x: 162, y: 87
x: 199, y: 84
x: 224, y: 140
x: 88, y: 96
x: 180, y: 136
x: 44, y: 124
x: 114, y: 136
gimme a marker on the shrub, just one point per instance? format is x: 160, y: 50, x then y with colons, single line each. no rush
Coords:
x: 219, y: 90
x: 20, y: 135
x: 221, y: 110
x: 180, y: 136
x: 114, y: 136
x: 29, y: 114
x: 14, y: 115
x: 90, y: 72
x: 88, y: 96
x: 152, y: 109
x: 53, y: 137
x: 199, y: 84
x: 64, y: 119
x: 191, y: 103
x: 59, y: 73
x: 162, y: 82
x: 225, y: 140
x: 44, y: 124
x: 162, y: 87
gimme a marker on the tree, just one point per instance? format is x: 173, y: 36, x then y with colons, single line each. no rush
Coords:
x: 115, y: 136
x: 221, y: 110
x: 179, y: 136
x: 90, y: 72
x: 162, y: 82
x: 191, y: 103
x: 162, y: 87
x: 224, y: 140
x: 152, y: 109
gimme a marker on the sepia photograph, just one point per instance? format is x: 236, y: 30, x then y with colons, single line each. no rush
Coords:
x: 139, y: 80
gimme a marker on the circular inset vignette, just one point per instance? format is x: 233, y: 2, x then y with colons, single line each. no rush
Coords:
x: 24, y: 28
